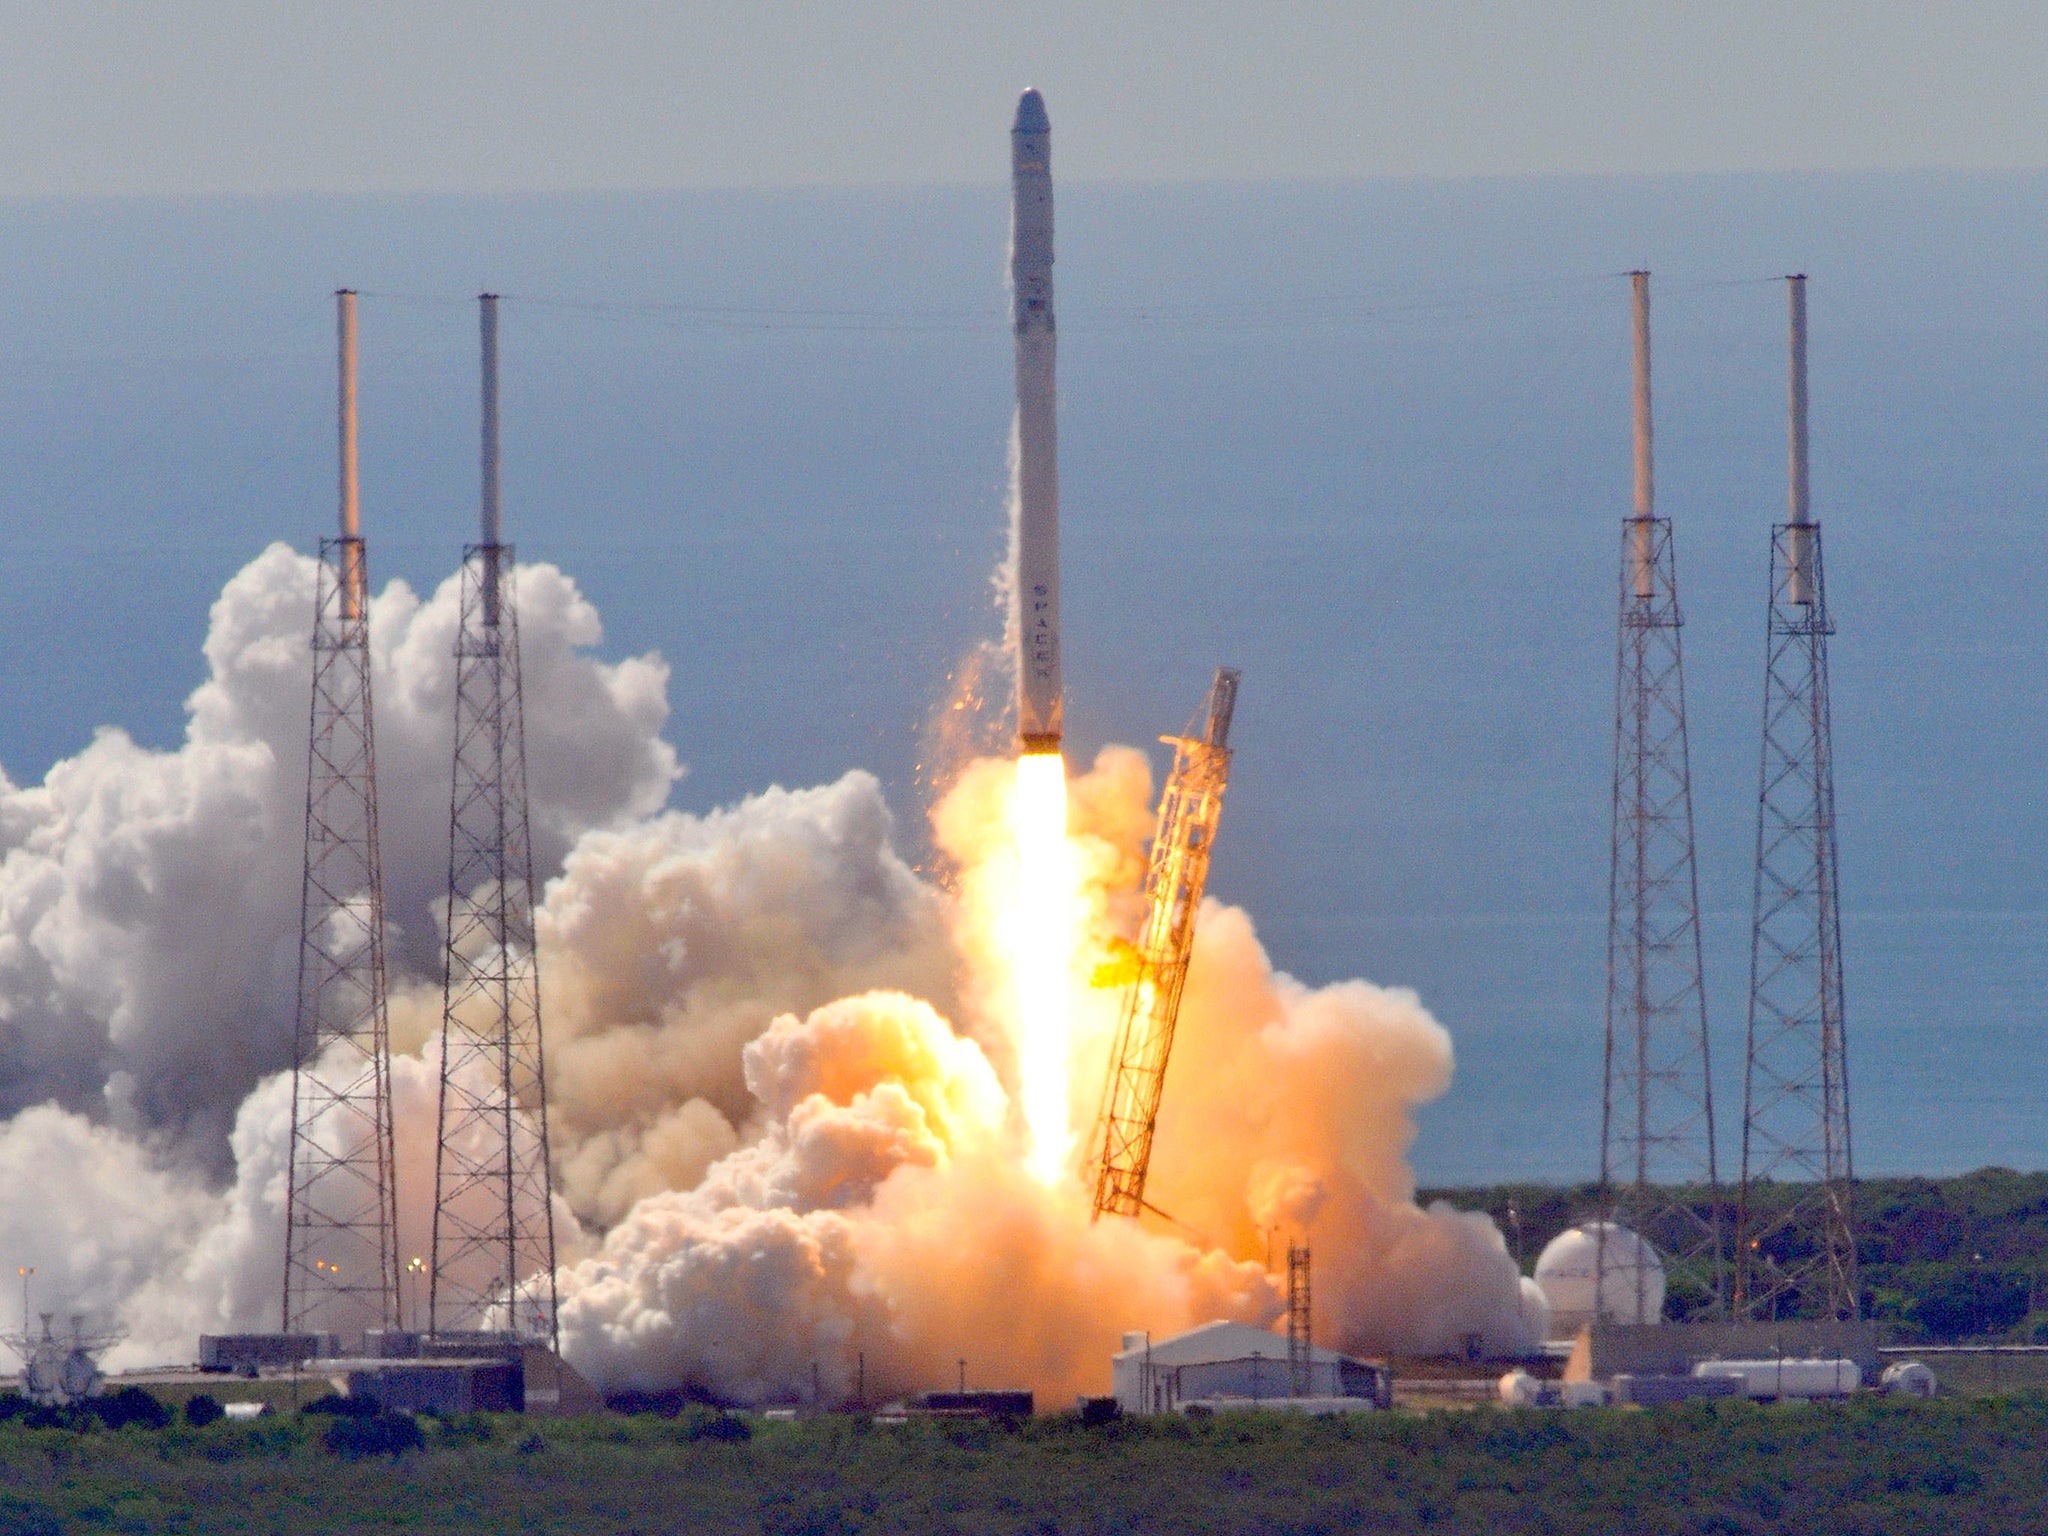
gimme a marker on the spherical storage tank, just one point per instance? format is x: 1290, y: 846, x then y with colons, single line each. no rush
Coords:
x: 1565, y: 1274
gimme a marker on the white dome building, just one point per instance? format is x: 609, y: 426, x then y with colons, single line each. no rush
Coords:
x: 1631, y: 1290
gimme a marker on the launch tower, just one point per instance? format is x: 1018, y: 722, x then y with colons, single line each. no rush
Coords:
x: 1657, y: 1170
x: 1795, y: 1250
x: 1179, y: 868
x: 341, y: 1218
x: 494, y: 1238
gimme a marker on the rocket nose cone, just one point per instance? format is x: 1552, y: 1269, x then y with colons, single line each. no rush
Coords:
x: 1031, y: 116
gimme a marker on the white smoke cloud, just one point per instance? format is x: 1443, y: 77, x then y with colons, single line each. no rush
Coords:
x: 779, y: 1072
x: 149, y: 931
x: 670, y: 944
x: 93, y: 1214
x: 149, y: 899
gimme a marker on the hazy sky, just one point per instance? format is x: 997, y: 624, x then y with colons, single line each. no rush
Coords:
x: 455, y: 95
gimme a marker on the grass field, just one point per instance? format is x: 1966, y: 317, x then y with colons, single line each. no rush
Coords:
x: 1953, y: 1466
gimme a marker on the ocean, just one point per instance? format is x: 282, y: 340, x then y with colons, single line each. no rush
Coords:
x: 1367, y: 441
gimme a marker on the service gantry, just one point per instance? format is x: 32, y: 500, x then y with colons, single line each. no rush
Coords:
x: 1174, y: 878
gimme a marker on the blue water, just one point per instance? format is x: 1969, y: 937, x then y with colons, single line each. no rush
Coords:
x: 1368, y: 442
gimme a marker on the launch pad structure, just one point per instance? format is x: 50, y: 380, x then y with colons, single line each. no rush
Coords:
x: 1176, y: 874
x: 1657, y: 1113
x: 493, y: 1264
x: 1795, y: 1112
x: 341, y: 1220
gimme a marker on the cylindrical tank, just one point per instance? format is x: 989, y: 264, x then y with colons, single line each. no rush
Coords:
x: 1787, y: 1378
x: 1565, y: 1274
x: 1582, y: 1394
x: 1518, y: 1389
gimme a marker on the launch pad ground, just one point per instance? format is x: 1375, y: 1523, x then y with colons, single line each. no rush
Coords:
x: 1951, y: 1465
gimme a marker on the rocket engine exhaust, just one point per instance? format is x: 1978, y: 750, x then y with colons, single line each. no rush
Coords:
x: 1038, y: 469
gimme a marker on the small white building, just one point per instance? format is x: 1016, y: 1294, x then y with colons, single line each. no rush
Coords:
x: 1234, y: 1362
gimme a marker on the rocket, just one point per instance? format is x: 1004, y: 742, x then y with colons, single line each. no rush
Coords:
x: 1037, y: 585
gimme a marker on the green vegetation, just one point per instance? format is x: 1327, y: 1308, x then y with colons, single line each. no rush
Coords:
x: 1954, y: 1466
x: 1939, y: 1260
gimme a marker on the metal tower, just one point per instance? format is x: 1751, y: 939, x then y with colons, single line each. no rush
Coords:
x: 1657, y: 1169
x: 1179, y: 868
x: 1300, y: 1323
x: 494, y: 1234
x: 1795, y: 1245
x: 341, y: 1219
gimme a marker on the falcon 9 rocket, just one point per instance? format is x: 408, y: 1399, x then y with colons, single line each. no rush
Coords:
x: 1037, y: 584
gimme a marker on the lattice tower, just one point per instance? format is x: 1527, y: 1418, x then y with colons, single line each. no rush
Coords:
x: 1300, y: 1322
x: 341, y: 1218
x: 1657, y: 1160
x: 1795, y: 1240
x: 493, y: 1264
x: 1176, y: 873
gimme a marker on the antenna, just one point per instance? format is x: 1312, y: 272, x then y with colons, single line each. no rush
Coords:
x: 1640, y: 423
x: 488, y: 502
x: 352, y: 585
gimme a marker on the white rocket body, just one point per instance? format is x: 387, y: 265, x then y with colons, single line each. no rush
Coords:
x: 1038, y: 467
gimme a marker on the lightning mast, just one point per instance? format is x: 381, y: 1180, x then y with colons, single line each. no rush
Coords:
x: 1657, y: 1118
x: 1300, y: 1323
x: 341, y: 1217
x: 1796, y: 1252
x: 1179, y: 868
x: 494, y: 1238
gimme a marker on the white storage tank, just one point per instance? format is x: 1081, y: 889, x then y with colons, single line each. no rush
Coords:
x: 1631, y: 1291
x: 1787, y: 1378
x: 1908, y: 1378
x: 1518, y: 1389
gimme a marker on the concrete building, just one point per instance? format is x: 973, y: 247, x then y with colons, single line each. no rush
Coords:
x: 247, y: 1354
x: 1233, y: 1363
x: 1606, y: 1350
x: 440, y: 1386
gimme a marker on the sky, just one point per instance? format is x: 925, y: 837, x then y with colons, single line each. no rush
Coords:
x: 255, y: 96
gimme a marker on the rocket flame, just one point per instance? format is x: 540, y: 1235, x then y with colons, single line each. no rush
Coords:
x: 1038, y: 932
